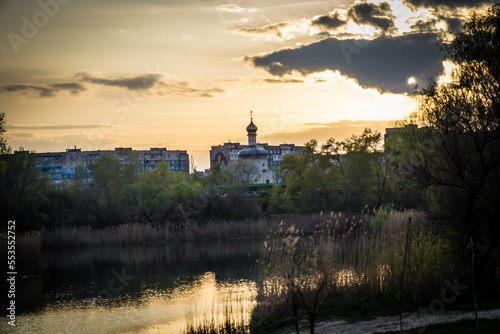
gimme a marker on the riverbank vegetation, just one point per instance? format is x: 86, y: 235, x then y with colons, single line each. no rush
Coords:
x: 356, y: 222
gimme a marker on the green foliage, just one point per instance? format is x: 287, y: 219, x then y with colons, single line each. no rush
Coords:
x: 147, y: 202
x: 63, y: 206
x: 22, y: 191
x: 4, y: 149
x: 103, y: 196
x: 342, y: 175
x: 363, y: 270
x: 455, y: 155
x: 380, y: 217
x: 306, y: 175
x: 183, y: 195
x: 279, y: 202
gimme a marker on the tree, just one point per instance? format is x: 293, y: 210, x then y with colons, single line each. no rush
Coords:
x: 4, y: 149
x: 22, y: 191
x: 238, y: 172
x: 308, y: 186
x: 103, y: 196
x: 456, y: 154
x: 359, y: 169
x: 147, y: 201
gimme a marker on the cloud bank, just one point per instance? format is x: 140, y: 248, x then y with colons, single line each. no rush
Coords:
x: 446, y: 3
x: 377, y: 16
x: 152, y: 84
x: 384, y: 63
x: 49, y: 90
x: 329, y: 22
x: 140, y: 82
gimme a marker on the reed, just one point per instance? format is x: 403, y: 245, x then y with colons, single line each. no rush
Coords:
x: 134, y: 233
x: 346, y: 260
x: 28, y: 248
x: 232, y: 319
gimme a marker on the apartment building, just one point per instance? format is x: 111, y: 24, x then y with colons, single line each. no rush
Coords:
x: 64, y: 167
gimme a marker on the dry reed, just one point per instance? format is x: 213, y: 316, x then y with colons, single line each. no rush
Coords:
x: 346, y: 259
x: 130, y: 234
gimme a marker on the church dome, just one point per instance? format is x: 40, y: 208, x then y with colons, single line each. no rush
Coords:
x: 253, y: 152
x: 251, y: 127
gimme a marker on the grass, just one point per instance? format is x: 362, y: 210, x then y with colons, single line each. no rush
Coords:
x: 346, y: 264
x: 486, y: 326
x: 232, y: 319
x: 134, y: 233
x: 28, y: 249
x: 229, y: 326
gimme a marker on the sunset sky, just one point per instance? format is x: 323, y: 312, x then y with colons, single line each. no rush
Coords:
x: 184, y: 74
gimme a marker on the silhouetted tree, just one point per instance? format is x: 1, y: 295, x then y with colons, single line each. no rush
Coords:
x: 456, y: 154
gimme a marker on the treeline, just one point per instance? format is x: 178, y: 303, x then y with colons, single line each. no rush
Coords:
x: 346, y: 175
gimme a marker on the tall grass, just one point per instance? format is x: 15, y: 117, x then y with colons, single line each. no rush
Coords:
x: 28, y: 249
x: 233, y: 318
x: 131, y: 234
x: 232, y: 322
x: 347, y: 260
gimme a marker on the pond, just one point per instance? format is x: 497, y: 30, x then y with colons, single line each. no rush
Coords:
x: 147, y: 289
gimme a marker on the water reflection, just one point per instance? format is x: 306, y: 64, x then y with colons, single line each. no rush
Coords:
x: 134, y: 290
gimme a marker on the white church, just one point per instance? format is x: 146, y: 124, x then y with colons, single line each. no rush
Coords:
x: 256, y: 157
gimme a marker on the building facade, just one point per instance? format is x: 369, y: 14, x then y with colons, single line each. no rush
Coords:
x: 64, y: 167
x: 226, y: 153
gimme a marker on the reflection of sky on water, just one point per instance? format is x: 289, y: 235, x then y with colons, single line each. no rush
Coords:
x: 154, y: 313
x: 163, y: 285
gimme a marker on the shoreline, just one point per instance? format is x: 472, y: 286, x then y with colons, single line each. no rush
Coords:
x: 391, y: 323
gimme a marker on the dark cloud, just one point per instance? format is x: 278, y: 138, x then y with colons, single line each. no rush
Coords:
x: 378, y: 16
x: 149, y: 84
x: 274, y: 29
x: 454, y: 24
x: 329, y: 22
x: 282, y: 81
x: 446, y: 3
x: 140, y: 82
x: 424, y: 26
x: 43, y: 90
x: 73, y: 87
x: 384, y: 63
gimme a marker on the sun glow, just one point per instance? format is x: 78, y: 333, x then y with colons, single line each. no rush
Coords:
x: 447, y: 76
x: 411, y: 81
